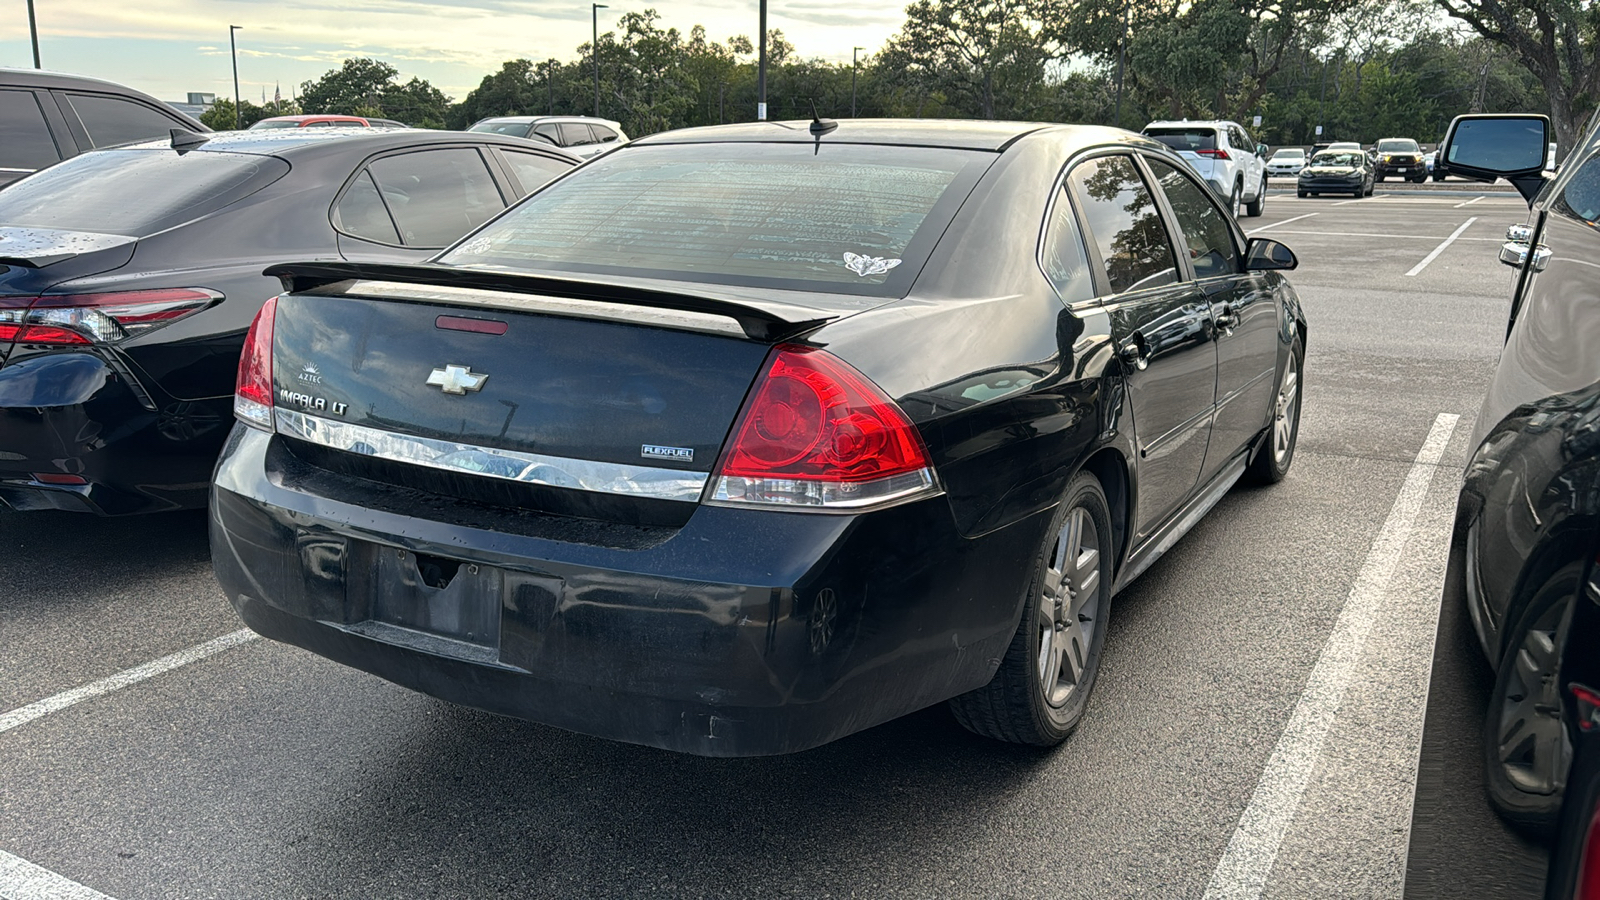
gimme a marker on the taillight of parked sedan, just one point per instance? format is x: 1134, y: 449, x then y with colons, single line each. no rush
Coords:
x: 816, y: 434
x: 97, y: 318
x: 252, y: 395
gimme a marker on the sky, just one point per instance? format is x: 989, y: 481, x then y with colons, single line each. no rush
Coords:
x: 169, y: 48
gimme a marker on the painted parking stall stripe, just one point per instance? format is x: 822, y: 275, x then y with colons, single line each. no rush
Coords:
x: 1284, y: 222
x: 1242, y: 872
x: 22, y: 715
x: 1469, y: 202
x: 22, y: 880
x: 1440, y: 249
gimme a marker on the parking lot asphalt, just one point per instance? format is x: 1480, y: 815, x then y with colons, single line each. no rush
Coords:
x: 1254, y: 732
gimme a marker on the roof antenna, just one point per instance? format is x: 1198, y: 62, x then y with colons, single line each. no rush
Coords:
x: 819, y: 125
x: 184, y: 140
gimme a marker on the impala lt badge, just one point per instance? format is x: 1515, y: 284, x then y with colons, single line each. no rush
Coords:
x: 454, y: 379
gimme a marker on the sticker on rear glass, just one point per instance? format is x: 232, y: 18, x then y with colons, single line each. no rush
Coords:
x: 868, y: 265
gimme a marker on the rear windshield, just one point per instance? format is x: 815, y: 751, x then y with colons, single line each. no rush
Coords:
x: 841, y: 218
x: 1180, y: 138
x: 264, y: 124
x: 1338, y: 158
x: 515, y: 129
x: 134, y: 192
x: 1398, y: 146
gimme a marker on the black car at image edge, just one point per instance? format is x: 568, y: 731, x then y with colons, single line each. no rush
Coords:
x: 735, y: 441
x: 129, y: 275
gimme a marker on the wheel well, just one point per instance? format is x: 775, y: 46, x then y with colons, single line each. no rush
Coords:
x: 1565, y: 548
x: 1108, y: 467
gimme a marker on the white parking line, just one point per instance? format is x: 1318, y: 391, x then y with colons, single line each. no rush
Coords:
x: 1276, y: 224
x: 1468, y: 202
x: 1440, y: 249
x: 1242, y: 872
x: 22, y: 880
x: 1361, y: 200
x: 22, y: 715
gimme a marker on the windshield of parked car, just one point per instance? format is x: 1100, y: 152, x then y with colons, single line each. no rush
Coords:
x: 842, y: 218
x: 515, y: 129
x: 1337, y: 158
x: 1184, y: 138
x: 1290, y: 153
x: 1401, y: 145
x: 134, y: 192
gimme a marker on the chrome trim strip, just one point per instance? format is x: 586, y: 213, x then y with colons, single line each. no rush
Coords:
x: 492, y: 462
x: 17, y: 171
x: 1247, y: 386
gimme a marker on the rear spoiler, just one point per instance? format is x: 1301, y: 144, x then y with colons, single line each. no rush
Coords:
x: 768, y: 321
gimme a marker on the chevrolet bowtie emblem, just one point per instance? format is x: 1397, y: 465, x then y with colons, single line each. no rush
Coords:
x: 453, y: 379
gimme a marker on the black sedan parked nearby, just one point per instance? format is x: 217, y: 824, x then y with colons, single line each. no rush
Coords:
x: 1527, y: 526
x: 129, y: 276
x: 1336, y: 172
x: 739, y: 440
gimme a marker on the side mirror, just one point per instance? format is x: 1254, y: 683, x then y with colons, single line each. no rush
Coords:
x: 1261, y: 149
x: 1486, y: 147
x: 1264, y: 254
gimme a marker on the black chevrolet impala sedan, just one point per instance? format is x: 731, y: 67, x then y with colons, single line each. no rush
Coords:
x: 738, y: 440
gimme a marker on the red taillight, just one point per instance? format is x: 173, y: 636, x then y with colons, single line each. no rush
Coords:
x: 1214, y: 154
x: 252, y: 398
x: 105, y: 317
x: 1589, y: 861
x: 817, y: 433
x: 58, y: 478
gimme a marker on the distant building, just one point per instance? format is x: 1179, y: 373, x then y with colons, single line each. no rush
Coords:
x: 198, y: 102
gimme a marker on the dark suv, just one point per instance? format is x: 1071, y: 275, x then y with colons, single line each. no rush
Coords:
x: 49, y: 116
x: 1402, y: 157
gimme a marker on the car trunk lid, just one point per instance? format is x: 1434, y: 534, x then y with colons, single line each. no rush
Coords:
x: 33, y: 260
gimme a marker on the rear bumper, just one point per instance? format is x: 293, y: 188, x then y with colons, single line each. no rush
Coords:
x: 73, y: 414
x: 742, y: 633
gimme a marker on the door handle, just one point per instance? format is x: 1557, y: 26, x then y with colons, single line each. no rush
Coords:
x: 1133, y: 352
x: 1227, y: 321
x: 1515, y: 253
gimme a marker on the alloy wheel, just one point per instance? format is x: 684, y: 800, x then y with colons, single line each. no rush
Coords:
x: 1533, y: 747
x: 1284, y: 419
x: 1070, y: 608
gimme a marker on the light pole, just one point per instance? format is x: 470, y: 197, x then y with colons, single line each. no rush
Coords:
x: 234, y: 52
x: 761, y: 69
x: 33, y: 32
x: 594, y: 50
x: 854, y: 66
x: 550, y: 82
x: 1122, y: 52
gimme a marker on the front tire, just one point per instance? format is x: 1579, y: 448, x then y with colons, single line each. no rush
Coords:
x: 1273, y: 458
x: 1526, y: 750
x: 1039, y: 692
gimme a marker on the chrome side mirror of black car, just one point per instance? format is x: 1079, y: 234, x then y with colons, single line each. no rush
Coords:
x: 1262, y: 254
x: 1486, y: 147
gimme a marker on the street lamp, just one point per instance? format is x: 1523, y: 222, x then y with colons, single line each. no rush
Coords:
x: 234, y: 52
x: 853, y: 67
x: 550, y: 82
x: 761, y: 69
x: 33, y: 32
x: 594, y: 50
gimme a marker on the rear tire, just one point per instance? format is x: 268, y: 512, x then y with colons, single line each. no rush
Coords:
x: 1256, y: 206
x: 1039, y: 692
x: 1235, y: 205
x: 1526, y: 750
x: 1274, y: 457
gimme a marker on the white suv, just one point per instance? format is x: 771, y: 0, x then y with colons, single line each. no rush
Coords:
x: 579, y: 135
x: 1225, y: 156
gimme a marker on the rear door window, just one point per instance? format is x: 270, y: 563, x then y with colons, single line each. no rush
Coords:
x: 532, y: 170
x: 602, y: 134
x: 575, y: 134
x: 361, y: 213
x: 1124, y: 224
x: 1212, y: 250
x: 549, y: 133
x: 27, y: 144
x: 114, y: 120
x: 437, y: 196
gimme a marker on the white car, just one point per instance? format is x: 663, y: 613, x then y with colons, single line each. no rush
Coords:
x: 581, y: 136
x: 1225, y: 155
x: 1286, y: 161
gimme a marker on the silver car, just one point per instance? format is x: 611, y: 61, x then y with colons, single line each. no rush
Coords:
x: 580, y: 135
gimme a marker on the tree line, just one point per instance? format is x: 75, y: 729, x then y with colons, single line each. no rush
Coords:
x: 1361, y: 69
